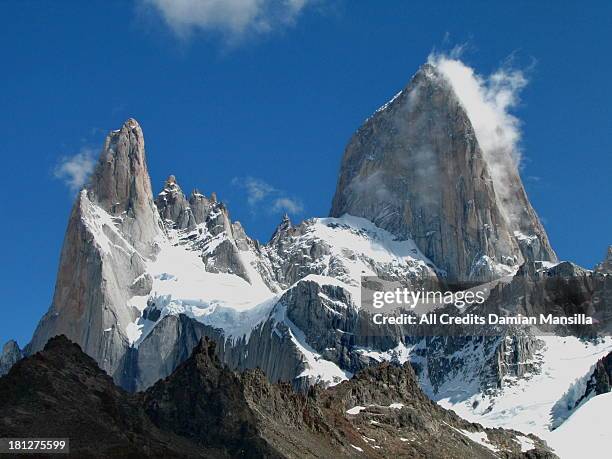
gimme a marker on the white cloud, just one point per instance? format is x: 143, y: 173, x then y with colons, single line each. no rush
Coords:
x: 75, y: 170
x: 488, y: 101
x: 288, y: 205
x: 259, y: 191
x: 234, y: 19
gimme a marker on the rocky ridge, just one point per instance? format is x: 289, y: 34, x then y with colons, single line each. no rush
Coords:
x: 205, y: 410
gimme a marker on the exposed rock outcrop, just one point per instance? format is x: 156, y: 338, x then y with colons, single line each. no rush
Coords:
x: 121, y: 186
x: 200, y: 206
x: 601, y: 379
x: 204, y: 225
x: 173, y: 206
x: 563, y: 289
x: 11, y: 354
x: 170, y: 343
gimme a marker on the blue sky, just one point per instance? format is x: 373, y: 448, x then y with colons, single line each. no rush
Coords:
x: 273, y: 94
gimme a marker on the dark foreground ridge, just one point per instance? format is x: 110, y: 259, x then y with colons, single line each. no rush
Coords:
x: 205, y: 410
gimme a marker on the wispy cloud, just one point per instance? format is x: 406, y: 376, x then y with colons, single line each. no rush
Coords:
x: 232, y: 19
x: 488, y: 101
x: 75, y: 170
x: 257, y: 190
x: 262, y: 194
x: 289, y: 205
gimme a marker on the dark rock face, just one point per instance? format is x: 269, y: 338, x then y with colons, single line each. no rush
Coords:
x: 212, y: 411
x: 597, y: 381
x: 205, y: 410
x: 173, y: 339
x: 10, y: 355
x: 61, y: 392
x: 563, y: 290
x: 600, y: 381
x: 415, y: 168
x: 320, y: 311
x: 170, y: 343
x: 394, y: 408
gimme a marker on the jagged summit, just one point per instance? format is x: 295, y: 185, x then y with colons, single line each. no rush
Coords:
x: 427, y: 74
x: 122, y: 160
x: 173, y: 206
x: 284, y: 226
x: 416, y: 169
x: 120, y: 185
x: 180, y: 213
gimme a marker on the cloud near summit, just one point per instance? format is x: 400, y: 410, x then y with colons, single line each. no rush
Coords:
x: 488, y: 101
x: 232, y: 19
x: 75, y: 170
x: 262, y: 194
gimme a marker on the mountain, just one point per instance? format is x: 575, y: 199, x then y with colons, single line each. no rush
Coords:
x: 416, y: 169
x: 114, y: 228
x: 143, y: 278
x: 205, y: 410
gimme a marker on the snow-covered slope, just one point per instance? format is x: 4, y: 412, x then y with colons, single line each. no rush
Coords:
x: 587, y: 433
x: 345, y: 249
x: 526, y: 404
x: 191, y: 277
x: 182, y: 285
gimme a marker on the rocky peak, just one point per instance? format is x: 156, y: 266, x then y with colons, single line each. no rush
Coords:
x: 416, y: 169
x: 173, y: 207
x: 213, y: 411
x: 121, y: 163
x: 114, y: 227
x: 11, y: 353
x: 282, y: 229
x: 121, y: 185
x: 200, y: 206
